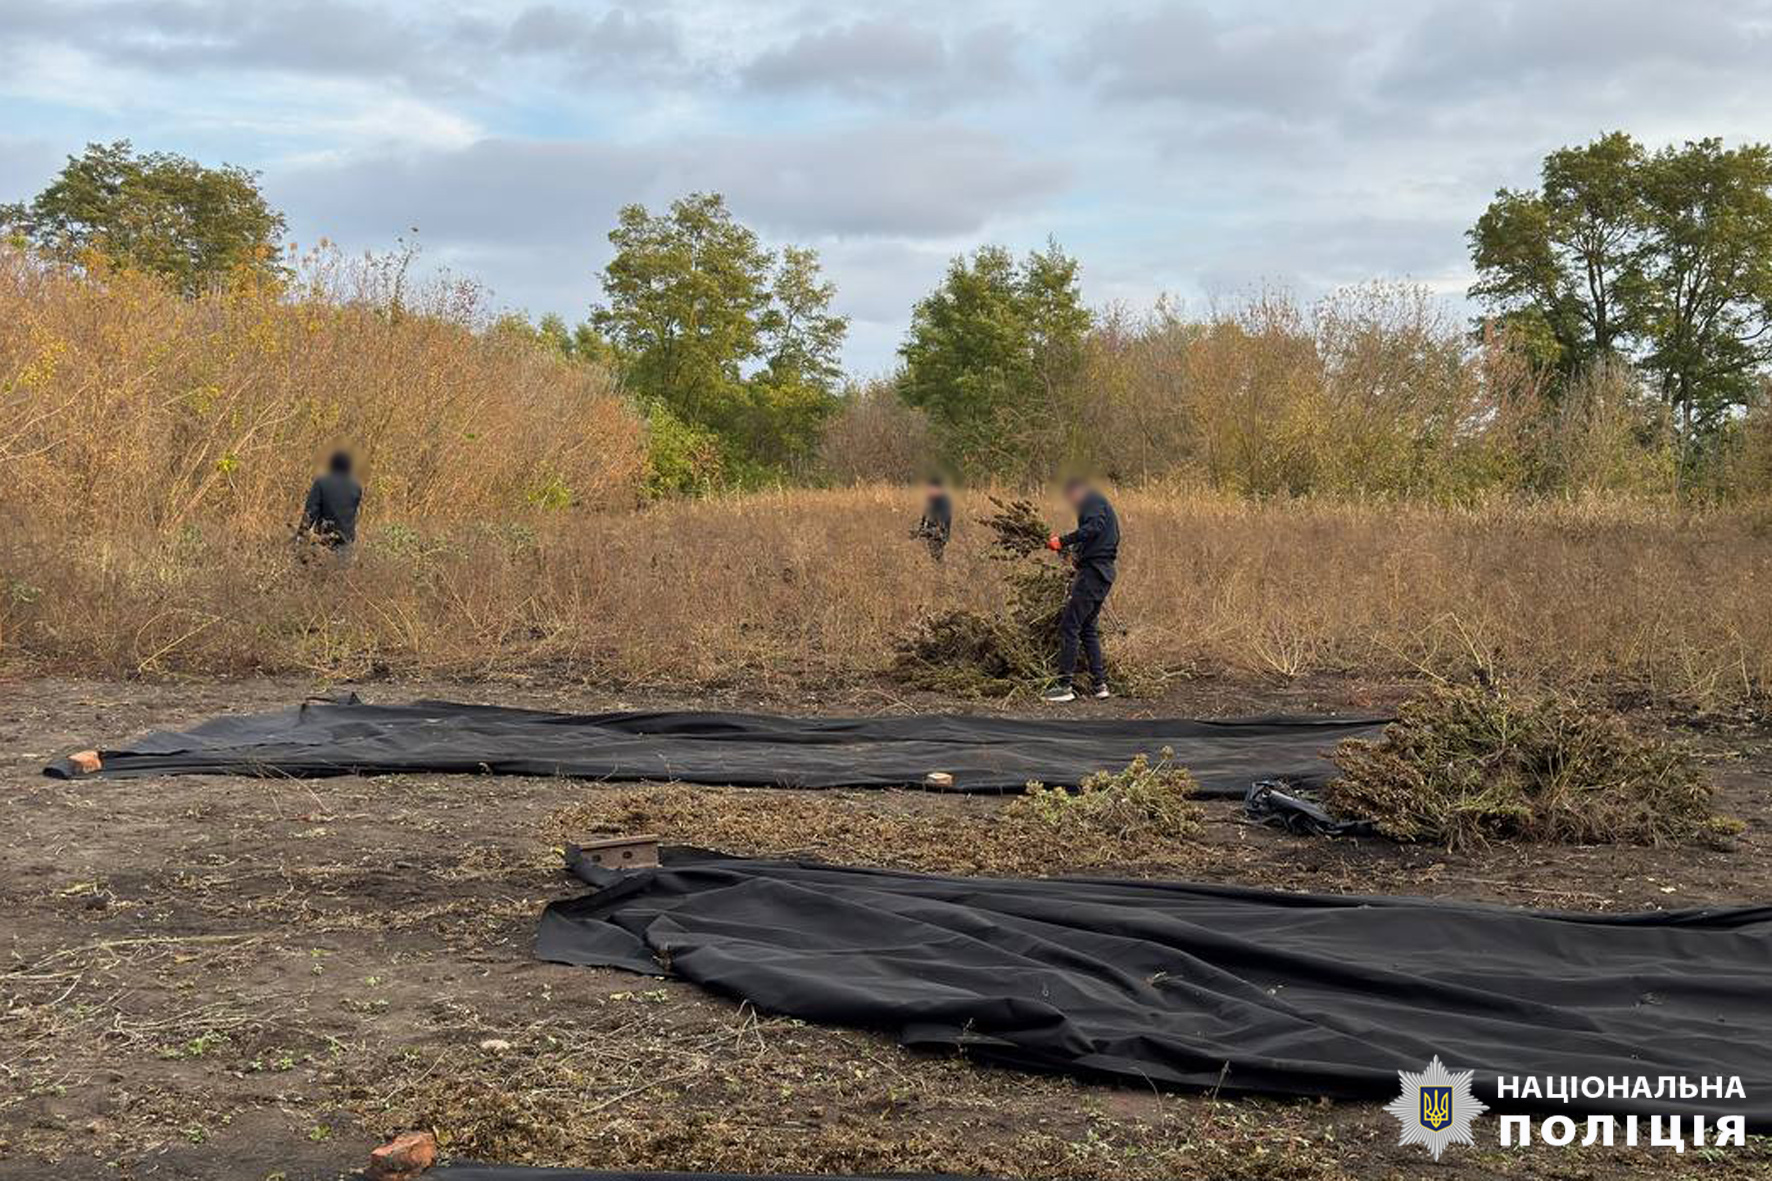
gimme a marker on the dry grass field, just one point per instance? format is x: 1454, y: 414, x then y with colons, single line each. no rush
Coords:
x: 1620, y: 598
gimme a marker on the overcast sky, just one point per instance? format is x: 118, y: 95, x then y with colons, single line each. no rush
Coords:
x: 1189, y: 148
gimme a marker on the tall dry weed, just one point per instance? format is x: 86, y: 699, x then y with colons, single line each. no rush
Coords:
x: 128, y: 410
x: 813, y: 585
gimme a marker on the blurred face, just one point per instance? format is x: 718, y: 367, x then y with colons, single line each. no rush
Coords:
x: 1074, y: 493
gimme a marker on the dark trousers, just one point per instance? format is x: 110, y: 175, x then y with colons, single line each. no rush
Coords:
x: 1077, y: 625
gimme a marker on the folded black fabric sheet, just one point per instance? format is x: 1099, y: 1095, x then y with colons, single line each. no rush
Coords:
x: 1205, y: 986
x: 1266, y: 804
x: 983, y: 754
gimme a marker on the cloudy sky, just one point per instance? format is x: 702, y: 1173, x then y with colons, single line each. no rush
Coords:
x: 1194, y: 148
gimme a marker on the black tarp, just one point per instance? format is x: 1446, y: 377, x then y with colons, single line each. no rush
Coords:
x: 1204, y: 986
x: 982, y: 754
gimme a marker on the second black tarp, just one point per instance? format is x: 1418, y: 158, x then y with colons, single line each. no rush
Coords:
x: 981, y: 753
x: 1204, y: 986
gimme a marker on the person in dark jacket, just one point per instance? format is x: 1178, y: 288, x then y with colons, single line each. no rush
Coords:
x: 330, y: 514
x: 1093, y: 547
x: 937, y: 525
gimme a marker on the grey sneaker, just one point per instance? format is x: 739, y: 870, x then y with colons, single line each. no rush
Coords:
x: 1059, y: 693
x: 1101, y: 691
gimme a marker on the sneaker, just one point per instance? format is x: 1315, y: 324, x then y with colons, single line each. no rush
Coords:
x: 1101, y: 691
x: 1059, y: 693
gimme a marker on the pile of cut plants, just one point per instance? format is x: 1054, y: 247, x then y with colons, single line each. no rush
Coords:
x: 1147, y: 800
x: 1467, y: 764
x: 995, y: 653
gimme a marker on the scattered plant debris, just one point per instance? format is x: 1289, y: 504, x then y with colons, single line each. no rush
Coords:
x: 1466, y: 764
x: 1143, y: 816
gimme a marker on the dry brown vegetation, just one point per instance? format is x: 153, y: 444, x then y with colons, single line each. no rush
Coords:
x: 1625, y: 596
x: 1375, y: 390
x: 154, y: 451
x: 1142, y: 815
x: 127, y: 410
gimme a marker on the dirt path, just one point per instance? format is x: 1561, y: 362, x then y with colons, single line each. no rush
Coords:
x: 231, y: 978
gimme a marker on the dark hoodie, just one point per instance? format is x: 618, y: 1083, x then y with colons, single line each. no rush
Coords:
x: 938, y: 518
x: 331, y: 509
x: 1095, y: 542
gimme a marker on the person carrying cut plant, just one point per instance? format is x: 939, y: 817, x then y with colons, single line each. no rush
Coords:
x: 1093, y: 547
x: 937, y: 524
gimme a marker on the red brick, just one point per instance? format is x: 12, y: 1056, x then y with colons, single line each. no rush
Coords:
x: 403, y: 1158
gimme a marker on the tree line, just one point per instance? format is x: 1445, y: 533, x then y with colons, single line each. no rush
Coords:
x: 1661, y: 260
x: 1625, y: 341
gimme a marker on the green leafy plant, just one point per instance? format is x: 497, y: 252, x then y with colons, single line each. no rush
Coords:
x: 1145, y: 799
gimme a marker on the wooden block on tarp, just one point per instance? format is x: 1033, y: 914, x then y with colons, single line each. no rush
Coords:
x: 635, y: 852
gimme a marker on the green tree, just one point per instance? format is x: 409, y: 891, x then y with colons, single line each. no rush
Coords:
x: 993, y: 352
x: 797, y: 389
x: 1560, y: 264
x: 157, y: 212
x: 730, y: 336
x: 583, y: 343
x: 552, y: 331
x: 1058, y: 325
x: 1663, y: 261
x: 1706, y: 299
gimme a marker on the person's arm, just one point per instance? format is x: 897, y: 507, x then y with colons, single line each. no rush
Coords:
x: 310, y: 513
x: 1089, y: 527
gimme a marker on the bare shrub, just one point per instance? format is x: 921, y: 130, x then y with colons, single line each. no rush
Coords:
x: 1608, y: 433
x: 875, y: 437
x: 1375, y: 390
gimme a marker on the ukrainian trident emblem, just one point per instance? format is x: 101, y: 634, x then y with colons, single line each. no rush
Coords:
x: 1436, y: 1107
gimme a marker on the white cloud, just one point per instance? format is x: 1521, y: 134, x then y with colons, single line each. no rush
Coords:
x: 887, y: 60
x: 1290, y: 62
x: 886, y: 179
x: 1187, y: 145
x: 25, y: 163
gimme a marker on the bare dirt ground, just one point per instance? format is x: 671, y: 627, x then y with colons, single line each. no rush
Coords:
x: 226, y: 978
